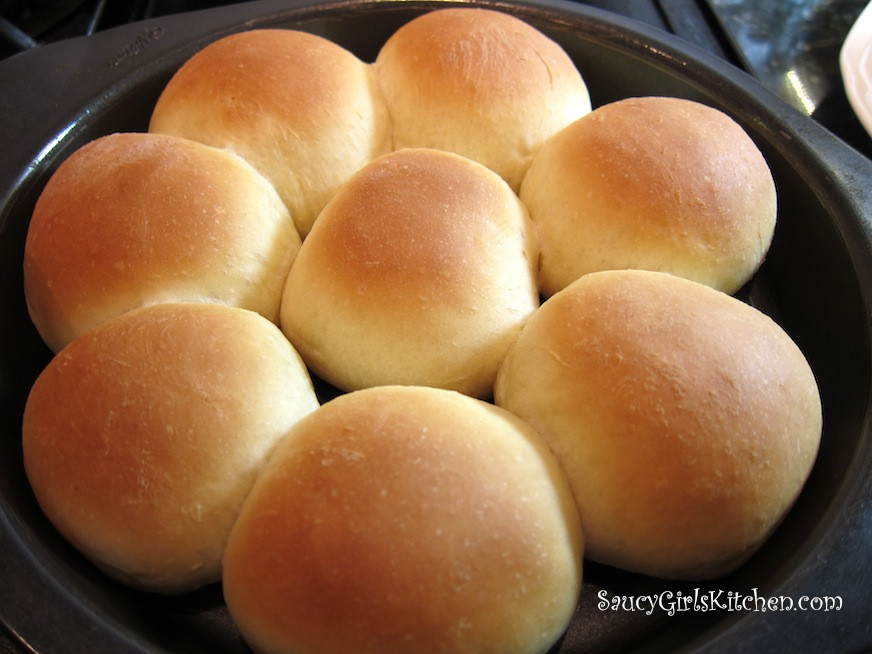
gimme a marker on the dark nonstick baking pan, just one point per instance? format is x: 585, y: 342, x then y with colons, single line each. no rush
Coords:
x: 810, y: 586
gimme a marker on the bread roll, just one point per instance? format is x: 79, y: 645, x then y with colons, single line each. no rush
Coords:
x: 419, y: 272
x: 653, y: 183
x: 143, y: 437
x: 136, y: 219
x: 402, y: 519
x: 687, y: 421
x: 480, y: 83
x: 302, y: 109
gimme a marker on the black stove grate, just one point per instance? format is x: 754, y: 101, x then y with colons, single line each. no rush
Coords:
x: 28, y: 24
x: 31, y: 23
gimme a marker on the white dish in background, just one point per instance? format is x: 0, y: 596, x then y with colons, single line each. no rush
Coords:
x: 855, y: 61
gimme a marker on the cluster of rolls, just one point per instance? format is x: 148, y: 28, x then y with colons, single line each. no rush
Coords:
x: 523, y: 303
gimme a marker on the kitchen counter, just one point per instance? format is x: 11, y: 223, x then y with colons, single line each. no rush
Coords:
x: 793, y: 46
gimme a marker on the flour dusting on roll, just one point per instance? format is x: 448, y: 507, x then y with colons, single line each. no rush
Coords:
x: 480, y: 83
x: 143, y: 437
x: 653, y: 183
x: 133, y: 219
x: 686, y: 420
x: 301, y: 109
x: 406, y: 519
x: 419, y: 272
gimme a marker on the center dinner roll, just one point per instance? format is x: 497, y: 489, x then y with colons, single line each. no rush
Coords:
x: 654, y: 183
x: 135, y: 219
x: 300, y: 108
x: 480, y: 83
x: 406, y: 519
x: 143, y: 437
x: 686, y: 420
x: 419, y: 272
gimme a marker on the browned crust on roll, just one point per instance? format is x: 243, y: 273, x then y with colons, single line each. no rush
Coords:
x: 653, y: 183
x: 142, y: 438
x: 135, y: 219
x: 686, y: 420
x: 420, y: 271
x: 402, y: 519
x: 301, y: 109
x: 481, y: 83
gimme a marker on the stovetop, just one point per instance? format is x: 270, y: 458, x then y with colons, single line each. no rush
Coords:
x: 792, y: 46
x: 30, y: 23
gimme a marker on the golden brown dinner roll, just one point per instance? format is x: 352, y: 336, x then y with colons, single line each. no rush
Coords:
x: 654, y: 183
x: 143, y: 437
x: 687, y: 421
x: 480, y: 83
x: 406, y: 519
x: 302, y: 109
x: 136, y: 219
x: 418, y: 272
